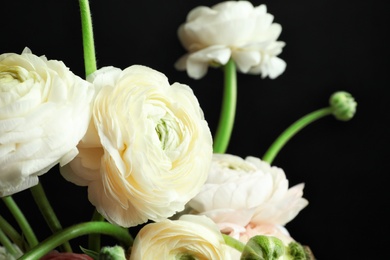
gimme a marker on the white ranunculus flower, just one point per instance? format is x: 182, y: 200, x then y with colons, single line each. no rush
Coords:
x: 190, y: 237
x: 148, y: 149
x: 231, y: 29
x: 248, y: 196
x: 44, y: 112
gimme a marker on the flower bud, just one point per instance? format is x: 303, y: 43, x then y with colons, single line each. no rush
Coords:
x: 343, y: 105
x: 112, y: 253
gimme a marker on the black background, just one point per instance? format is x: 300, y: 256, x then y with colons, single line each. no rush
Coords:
x: 331, y: 45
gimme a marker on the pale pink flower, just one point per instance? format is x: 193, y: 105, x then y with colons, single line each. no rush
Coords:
x: 248, y: 197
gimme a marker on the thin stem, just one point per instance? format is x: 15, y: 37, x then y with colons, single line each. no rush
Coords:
x: 21, y: 220
x: 88, y: 40
x: 277, y: 145
x: 94, y: 239
x: 9, y: 247
x: 228, y: 110
x: 234, y: 243
x: 69, y: 233
x: 11, y: 232
x: 48, y: 212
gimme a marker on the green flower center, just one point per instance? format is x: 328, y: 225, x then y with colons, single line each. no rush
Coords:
x: 169, y: 132
x: 185, y: 257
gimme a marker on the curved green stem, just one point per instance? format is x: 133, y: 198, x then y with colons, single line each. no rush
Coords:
x: 11, y: 232
x: 234, y: 243
x: 48, y: 212
x: 7, y: 243
x: 21, y: 220
x: 228, y: 110
x: 88, y: 41
x: 94, y: 239
x: 69, y: 233
x: 277, y: 145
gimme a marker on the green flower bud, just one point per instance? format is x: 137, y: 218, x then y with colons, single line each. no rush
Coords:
x: 263, y: 248
x: 296, y: 251
x: 343, y: 105
x: 112, y: 253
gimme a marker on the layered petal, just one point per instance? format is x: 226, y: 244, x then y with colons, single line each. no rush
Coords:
x: 190, y: 237
x: 44, y: 112
x: 247, y: 31
x: 248, y: 196
x: 149, y: 149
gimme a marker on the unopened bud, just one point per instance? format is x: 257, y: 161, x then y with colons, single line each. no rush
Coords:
x: 112, y: 253
x: 343, y: 105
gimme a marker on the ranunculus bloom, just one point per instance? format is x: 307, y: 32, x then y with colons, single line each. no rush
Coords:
x: 148, y: 149
x: 55, y: 255
x: 44, y: 112
x: 231, y: 29
x: 248, y: 197
x: 190, y: 237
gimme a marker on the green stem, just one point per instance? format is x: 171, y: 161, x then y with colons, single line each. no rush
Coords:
x: 228, y: 110
x: 234, y: 243
x: 88, y: 41
x: 9, y: 247
x: 69, y: 233
x: 11, y: 232
x: 277, y: 145
x: 94, y: 239
x: 48, y: 212
x: 21, y: 220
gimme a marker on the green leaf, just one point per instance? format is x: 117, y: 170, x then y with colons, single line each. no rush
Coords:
x: 91, y: 253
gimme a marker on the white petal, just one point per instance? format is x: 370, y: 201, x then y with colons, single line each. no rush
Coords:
x: 246, y: 59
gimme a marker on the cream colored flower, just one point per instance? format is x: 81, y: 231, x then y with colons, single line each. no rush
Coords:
x: 244, y: 196
x: 148, y: 149
x: 190, y: 237
x: 231, y: 29
x: 44, y: 112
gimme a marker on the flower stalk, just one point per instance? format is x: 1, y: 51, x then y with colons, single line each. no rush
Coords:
x: 7, y: 243
x: 47, y: 212
x: 97, y: 227
x: 234, y: 243
x: 21, y: 220
x: 341, y: 104
x: 10, y: 232
x: 292, y: 130
x: 88, y: 40
x: 228, y: 110
x: 94, y: 241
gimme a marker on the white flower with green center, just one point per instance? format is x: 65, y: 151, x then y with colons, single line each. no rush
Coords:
x: 44, y: 112
x: 148, y: 149
x: 231, y: 30
x: 191, y: 237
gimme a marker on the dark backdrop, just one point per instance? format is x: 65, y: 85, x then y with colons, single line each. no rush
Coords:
x: 331, y: 45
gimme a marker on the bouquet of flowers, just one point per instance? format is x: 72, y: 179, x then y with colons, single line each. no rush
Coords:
x: 145, y: 152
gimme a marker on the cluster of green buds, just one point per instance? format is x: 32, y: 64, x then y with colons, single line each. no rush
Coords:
x: 271, y: 248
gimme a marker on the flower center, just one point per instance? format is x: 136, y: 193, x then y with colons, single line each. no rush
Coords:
x: 169, y: 132
x: 11, y: 76
x: 185, y: 257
